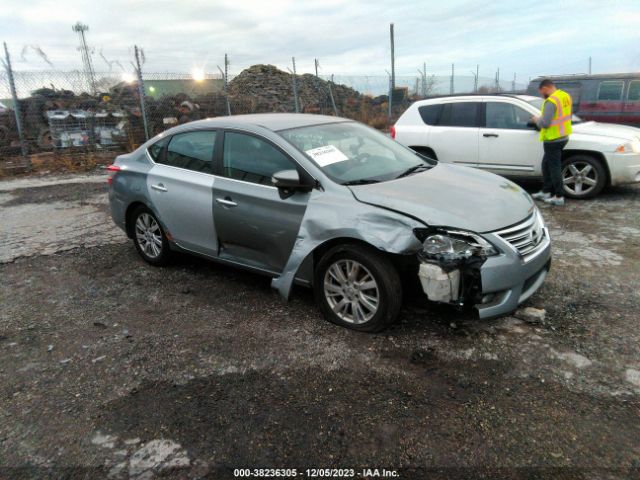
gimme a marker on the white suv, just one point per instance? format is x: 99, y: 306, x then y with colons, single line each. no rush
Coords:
x: 494, y: 133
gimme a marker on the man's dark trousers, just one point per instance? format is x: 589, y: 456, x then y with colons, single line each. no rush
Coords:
x: 552, y: 167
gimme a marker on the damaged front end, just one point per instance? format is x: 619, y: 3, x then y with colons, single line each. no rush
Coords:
x: 450, y: 262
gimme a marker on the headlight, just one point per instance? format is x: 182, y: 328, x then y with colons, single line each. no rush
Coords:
x: 455, y: 244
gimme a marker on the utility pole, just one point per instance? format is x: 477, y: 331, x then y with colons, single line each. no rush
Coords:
x: 451, y: 83
x: 333, y: 102
x: 392, y: 76
x: 475, y: 79
x: 393, y: 58
x: 498, y: 80
x: 16, y: 104
x: 80, y: 28
x: 226, y: 82
x: 321, y: 96
x: 424, y: 79
x: 295, y: 86
x: 513, y: 83
x: 589, y: 65
x: 143, y: 108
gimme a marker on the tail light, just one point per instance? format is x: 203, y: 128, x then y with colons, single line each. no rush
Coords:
x: 392, y: 131
x: 113, y: 169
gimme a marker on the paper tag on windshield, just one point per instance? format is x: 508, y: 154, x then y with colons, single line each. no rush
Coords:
x: 327, y: 155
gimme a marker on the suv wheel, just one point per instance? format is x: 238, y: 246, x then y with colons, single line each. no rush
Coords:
x: 358, y: 288
x: 583, y: 176
x: 149, y: 238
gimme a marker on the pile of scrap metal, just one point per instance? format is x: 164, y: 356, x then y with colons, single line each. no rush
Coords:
x: 272, y: 91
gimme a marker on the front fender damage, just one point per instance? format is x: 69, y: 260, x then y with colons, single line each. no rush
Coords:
x: 331, y: 215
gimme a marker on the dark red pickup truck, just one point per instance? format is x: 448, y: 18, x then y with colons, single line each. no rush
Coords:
x: 610, y: 98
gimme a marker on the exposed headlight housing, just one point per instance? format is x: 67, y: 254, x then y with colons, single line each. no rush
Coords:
x: 443, y: 244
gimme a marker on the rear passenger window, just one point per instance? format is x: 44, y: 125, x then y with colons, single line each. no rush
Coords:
x: 192, y: 150
x: 634, y: 91
x: 610, y: 90
x: 430, y: 113
x: 251, y: 159
x: 461, y: 114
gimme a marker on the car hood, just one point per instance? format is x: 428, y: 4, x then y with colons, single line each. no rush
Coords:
x: 623, y: 132
x: 452, y: 196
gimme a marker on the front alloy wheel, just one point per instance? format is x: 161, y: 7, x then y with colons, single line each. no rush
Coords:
x: 351, y: 291
x: 582, y: 177
x: 358, y: 287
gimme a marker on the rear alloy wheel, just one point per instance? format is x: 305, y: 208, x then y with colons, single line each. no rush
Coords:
x: 358, y: 288
x: 149, y: 238
x: 583, y: 177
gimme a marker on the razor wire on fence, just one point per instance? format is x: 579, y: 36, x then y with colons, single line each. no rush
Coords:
x: 66, y: 113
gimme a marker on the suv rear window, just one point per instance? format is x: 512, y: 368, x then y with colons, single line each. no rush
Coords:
x: 459, y: 114
x: 430, y: 113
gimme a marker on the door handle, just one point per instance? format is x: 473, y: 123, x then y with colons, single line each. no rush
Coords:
x: 227, y: 202
x: 160, y: 187
x: 490, y: 135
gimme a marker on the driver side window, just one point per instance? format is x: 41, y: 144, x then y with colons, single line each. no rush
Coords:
x: 252, y: 159
x: 506, y: 116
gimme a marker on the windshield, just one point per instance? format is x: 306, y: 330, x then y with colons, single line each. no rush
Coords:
x: 537, y: 102
x: 351, y: 153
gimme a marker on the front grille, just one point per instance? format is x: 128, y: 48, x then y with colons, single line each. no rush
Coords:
x: 526, y: 237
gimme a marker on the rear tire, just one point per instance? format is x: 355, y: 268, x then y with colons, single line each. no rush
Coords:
x: 357, y: 287
x: 149, y: 237
x: 583, y: 176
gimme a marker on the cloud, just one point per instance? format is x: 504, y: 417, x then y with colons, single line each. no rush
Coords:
x: 352, y: 37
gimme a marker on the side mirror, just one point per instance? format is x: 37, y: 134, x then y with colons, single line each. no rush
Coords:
x: 532, y: 124
x: 287, y: 179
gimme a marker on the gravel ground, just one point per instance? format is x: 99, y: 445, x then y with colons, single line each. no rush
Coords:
x: 112, y: 368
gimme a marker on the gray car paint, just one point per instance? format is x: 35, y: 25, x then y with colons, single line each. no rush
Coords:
x: 453, y: 196
x: 383, y: 215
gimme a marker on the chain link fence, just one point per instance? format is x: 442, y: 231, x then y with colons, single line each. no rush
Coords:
x: 71, y: 118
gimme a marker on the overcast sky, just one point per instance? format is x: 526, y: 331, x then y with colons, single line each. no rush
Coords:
x: 348, y: 37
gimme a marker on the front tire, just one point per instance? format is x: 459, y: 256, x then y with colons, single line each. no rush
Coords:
x: 358, y: 288
x: 149, y: 237
x: 583, y: 176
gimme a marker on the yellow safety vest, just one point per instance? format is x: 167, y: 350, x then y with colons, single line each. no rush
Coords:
x: 561, y: 123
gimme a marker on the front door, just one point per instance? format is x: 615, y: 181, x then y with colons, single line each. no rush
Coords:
x: 255, y: 224
x: 180, y: 186
x: 507, y: 145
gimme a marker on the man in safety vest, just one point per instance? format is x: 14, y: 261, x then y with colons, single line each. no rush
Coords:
x: 555, y: 128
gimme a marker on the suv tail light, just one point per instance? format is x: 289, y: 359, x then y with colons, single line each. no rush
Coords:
x: 392, y: 131
x: 114, y: 169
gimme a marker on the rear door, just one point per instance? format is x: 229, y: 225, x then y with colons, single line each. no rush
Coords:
x: 180, y: 187
x: 454, y: 137
x: 507, y: 145
x: 255, y: 224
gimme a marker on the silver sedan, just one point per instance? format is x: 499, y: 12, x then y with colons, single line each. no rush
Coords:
x: 334, y: 205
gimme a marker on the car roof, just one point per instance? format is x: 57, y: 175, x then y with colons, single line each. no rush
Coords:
x: 270, y: 121
x: 471, y: 96
x: 587, y: 76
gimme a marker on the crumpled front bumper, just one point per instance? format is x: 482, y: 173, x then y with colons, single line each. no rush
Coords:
x: 505, y: 280
x: 509, y: 279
